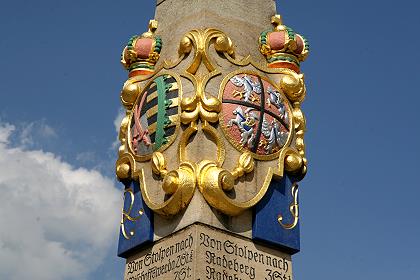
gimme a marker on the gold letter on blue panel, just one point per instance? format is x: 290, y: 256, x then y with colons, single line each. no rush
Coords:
x: 276, y: 216
x: 136, y: 222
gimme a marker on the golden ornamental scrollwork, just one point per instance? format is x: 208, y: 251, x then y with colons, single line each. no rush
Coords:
x: 294, y: 209
x: 201, y: 105
x: 202, y: 111
x: 127, y: 215
x: 179, y: 184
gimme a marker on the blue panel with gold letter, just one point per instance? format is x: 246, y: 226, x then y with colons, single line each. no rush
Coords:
x: 136, y: 223
x: 275, y: 218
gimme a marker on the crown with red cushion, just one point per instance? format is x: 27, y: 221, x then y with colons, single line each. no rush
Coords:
x: 142, y: 52
x: 282, y: 47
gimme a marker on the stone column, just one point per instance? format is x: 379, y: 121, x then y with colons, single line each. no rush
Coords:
x: 242, y: 20
x: 212, y: 145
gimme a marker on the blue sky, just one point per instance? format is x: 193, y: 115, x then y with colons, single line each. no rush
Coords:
x: 60, y: 79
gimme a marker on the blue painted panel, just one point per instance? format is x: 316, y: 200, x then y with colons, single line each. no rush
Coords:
x: 265, y: 226
x: 137, y: 229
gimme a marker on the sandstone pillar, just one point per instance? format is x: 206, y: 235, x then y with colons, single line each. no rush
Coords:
x: 212, y: 145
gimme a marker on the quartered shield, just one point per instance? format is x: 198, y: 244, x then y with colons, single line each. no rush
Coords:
x: 256, y: 116
x: 155, y: 117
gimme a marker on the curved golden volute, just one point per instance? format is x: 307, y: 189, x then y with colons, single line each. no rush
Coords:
x: 159, y: 164
x: 214, y: 181
x: 179, y: 184
x: 201, y: 40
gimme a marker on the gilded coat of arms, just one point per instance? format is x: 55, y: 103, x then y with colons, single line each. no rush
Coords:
x: 255, y: 116
x: 155, y: 117
x: 243, y: 122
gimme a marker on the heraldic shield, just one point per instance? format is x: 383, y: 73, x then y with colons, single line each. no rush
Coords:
x: 255, y: 116
x: 208, y: 121
x: 155, y: 117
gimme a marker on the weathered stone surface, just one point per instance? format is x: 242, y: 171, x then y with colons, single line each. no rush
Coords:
x: 202, y: 252
x: 242, y: 20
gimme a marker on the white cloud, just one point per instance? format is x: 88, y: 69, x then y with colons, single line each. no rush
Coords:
x: 85, y: 157
x: 5, y: 132
x: 57, y: 221
x: 117, y: 123
x: 35, y: 131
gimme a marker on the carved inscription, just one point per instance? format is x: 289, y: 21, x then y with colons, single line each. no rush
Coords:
x: 200, y: 253
x: 167, y: 261
x: 231, y: 258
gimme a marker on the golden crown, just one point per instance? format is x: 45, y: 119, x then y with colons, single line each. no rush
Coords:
x: 282, y: 47
x: 142, y: 52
